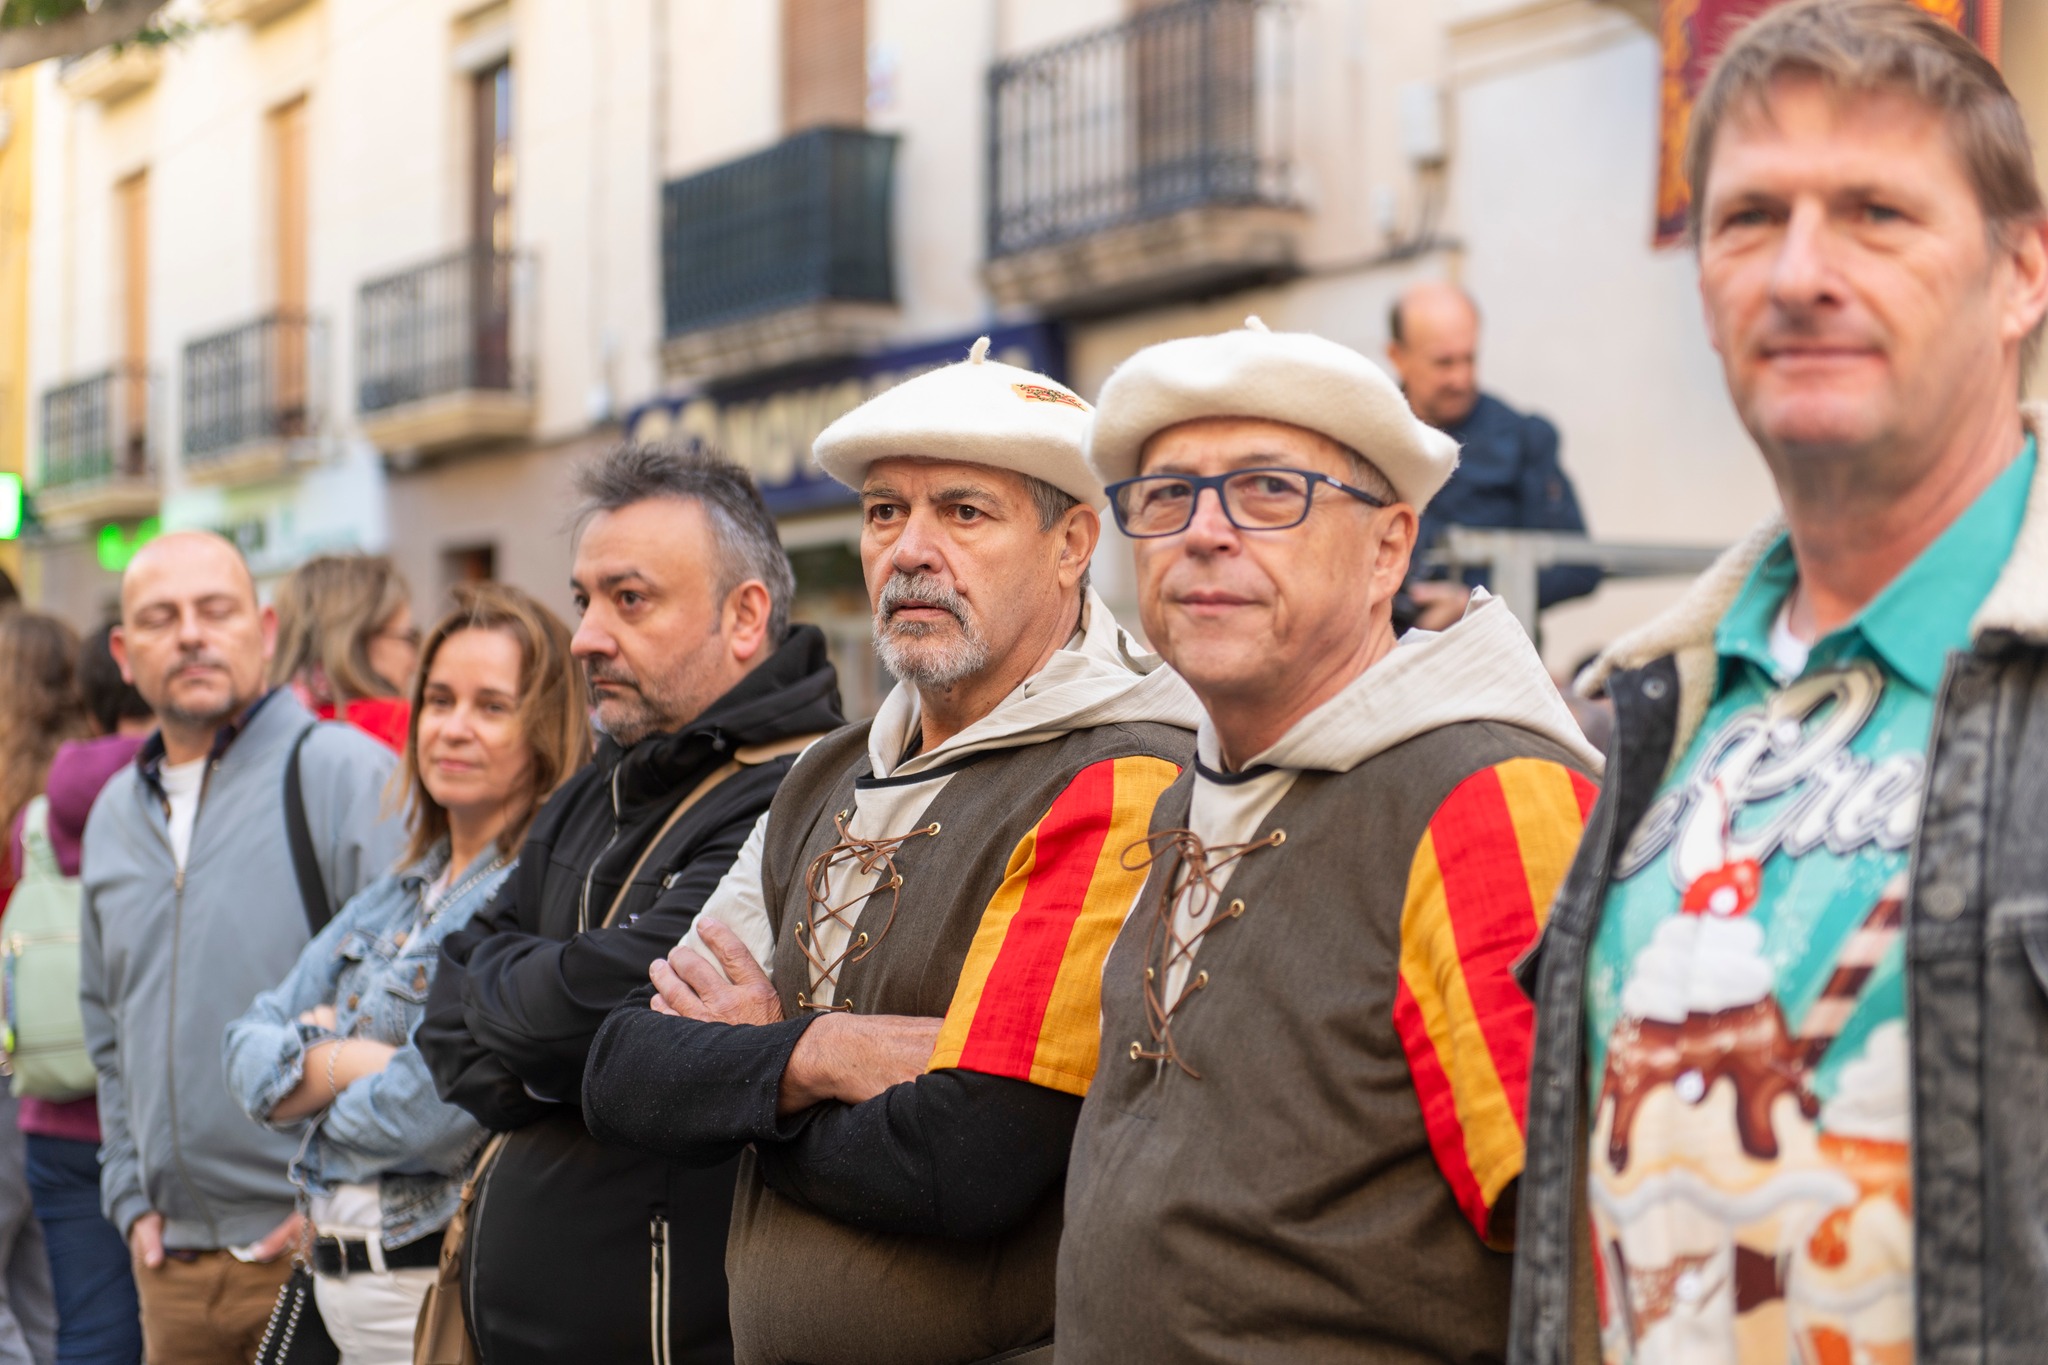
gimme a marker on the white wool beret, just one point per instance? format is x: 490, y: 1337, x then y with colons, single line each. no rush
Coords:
x: 979, y: 411
x: 1293, y: 377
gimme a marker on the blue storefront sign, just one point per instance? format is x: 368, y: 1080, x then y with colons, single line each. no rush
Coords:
x: 767, y: 425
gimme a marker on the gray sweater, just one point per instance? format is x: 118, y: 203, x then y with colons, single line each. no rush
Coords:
x: 168, y: 961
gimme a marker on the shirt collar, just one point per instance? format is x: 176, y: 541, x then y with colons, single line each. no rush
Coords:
x: 1921, y: 617
x: 150, y: 757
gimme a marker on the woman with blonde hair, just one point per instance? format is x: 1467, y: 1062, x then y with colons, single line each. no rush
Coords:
x: 499, y: 719
x: 346, y: 642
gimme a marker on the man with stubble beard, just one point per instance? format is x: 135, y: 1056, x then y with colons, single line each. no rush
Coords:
x: 578, y: 1250
x: 893, y: 997
x: 192, y: 904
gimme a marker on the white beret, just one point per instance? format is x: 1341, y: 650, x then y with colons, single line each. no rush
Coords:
x: 1293, y: 377
x: 979, y: 411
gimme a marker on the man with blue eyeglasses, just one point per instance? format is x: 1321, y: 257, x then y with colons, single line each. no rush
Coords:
x: 1305, y: 1131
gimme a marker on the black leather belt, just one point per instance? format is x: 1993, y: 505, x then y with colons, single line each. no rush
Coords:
x: 335, y: 1256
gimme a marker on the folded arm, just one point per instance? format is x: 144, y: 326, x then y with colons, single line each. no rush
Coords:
x: 535, y: 1003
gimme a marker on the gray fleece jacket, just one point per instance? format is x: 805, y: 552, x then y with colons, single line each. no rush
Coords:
x: 167, y: 961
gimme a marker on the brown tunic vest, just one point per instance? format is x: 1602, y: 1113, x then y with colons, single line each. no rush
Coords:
x: 1285, y: 1207
x: 806, y: 1288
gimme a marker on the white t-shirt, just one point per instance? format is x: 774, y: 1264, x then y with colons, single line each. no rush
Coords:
x: 181, y: 783
x: 1788, y: 651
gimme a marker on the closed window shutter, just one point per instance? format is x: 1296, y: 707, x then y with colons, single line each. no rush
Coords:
x: 824, y: 63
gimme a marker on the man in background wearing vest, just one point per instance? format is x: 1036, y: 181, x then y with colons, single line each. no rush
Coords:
x: 1305, y: 1136
x: 933, y: 893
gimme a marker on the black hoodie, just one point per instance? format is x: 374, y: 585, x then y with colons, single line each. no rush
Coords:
x: 576, y: 1248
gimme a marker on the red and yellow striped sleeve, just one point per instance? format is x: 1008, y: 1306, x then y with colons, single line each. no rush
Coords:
x: 1029, y: 1002
x: 1479, y: 888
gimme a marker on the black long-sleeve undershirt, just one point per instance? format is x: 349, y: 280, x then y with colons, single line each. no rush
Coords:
x: 952, y: 1154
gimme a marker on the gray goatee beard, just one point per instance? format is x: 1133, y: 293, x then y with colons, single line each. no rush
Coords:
x: 927, y: 654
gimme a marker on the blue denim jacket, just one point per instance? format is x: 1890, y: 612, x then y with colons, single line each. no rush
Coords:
x: 371, y: 965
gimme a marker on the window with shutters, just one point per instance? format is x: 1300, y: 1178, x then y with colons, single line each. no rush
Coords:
x: 131, y: 198
x: 287, y: 132
x: 824, y: 64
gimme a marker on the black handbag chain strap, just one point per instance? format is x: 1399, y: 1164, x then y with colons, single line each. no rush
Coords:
x: 305, y: 866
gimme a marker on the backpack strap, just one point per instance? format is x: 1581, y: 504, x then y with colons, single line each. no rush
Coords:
x: 37, y: 850
x: 305, y: 866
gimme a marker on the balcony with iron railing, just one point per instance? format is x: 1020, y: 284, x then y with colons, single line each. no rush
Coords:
x: 781, y: 256
x: 443, y: 358
x: 253, y: 399
x: 98, y: 453
x: 1145, y: 161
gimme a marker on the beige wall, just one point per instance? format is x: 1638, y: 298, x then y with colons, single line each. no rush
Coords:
x: 518, y: 504
x: 1549, y: 109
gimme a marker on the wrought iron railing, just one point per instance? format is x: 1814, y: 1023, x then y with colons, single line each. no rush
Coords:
x: 97, y: 429
x: 806, y: 221
x: 255, y: 382
x: 450, y: 324
x: 1182, y: 106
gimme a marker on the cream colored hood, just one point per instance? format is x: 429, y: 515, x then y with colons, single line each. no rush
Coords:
x: 1482, y: 668
x: 1102, y: 677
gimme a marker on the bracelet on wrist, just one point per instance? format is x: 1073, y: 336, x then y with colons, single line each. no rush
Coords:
x: 333, y: 1056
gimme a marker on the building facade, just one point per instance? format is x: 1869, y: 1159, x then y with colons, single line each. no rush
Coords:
x: 350, y: 273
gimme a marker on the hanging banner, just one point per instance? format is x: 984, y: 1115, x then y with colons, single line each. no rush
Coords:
x: 1692, y: 34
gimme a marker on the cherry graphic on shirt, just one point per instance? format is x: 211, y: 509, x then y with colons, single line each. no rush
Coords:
x: 1700, y: 1008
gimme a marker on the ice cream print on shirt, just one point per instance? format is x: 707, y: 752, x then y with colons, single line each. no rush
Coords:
x: 1750, y: 1173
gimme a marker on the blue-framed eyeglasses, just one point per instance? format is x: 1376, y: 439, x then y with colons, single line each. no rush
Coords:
x: 1262, y: 499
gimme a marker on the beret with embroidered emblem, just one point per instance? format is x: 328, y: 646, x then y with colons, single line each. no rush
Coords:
x: 1293, y: 377
x: 978, y: 411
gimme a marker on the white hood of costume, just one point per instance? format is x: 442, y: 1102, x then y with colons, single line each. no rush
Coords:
x: 1101, y: 677
x: 1484, y: 667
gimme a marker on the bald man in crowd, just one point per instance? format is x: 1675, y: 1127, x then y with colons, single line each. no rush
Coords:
x: 1508, y: 471
x: 198, y: 894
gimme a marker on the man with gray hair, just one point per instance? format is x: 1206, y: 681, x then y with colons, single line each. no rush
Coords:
x: 891, y: 1001
x: 1791, y: 1057
x: 704, y: 693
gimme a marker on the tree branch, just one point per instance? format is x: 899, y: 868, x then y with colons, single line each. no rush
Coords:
x: 86, y: 31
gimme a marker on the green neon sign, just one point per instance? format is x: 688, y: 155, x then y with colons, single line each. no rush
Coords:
x: 116, y: 546
x: 13, y: 506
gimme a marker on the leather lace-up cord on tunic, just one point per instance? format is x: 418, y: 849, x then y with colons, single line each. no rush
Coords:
x: 868, y: 856
x: 1195, y: 877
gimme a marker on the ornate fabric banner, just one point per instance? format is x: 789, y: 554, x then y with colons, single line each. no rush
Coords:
x: 1693, y: 32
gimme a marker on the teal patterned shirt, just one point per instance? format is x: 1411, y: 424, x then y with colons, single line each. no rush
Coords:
x: 1746, y: 1001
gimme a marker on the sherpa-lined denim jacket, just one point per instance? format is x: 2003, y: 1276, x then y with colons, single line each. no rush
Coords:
x: 373, y: 963
x: 1976, y: 971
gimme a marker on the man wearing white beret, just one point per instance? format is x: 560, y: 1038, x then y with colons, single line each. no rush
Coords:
x: 894, y: 997
x: 1303, y: 1141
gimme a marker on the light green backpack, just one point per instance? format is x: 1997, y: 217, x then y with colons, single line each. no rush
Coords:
x: 44, y: 1033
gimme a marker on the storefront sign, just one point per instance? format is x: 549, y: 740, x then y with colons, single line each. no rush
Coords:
x: 1693, y: 33
x: 115, y: 545
x: 767, y: 425
x: 334, y: 507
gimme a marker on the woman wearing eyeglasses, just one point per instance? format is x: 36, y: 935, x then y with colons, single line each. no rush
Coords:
x: 498, y: 720
x: 347, y: 643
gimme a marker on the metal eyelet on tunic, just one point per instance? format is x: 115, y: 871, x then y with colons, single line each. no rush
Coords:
x: 1194, y: 876
x: 877, y: 856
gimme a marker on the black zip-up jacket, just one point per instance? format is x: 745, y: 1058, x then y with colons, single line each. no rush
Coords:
x: 579, y: 1250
